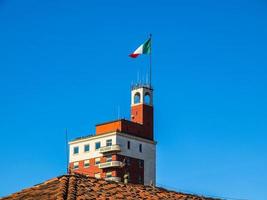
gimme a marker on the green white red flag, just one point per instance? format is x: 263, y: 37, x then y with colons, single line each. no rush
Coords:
x: 144, y: 48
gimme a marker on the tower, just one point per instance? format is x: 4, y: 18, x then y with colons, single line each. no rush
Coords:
x: 120, y: 149
x: 142, y: 109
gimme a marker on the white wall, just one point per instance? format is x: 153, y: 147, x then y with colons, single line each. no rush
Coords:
x: 91, y: 141
x: 142, y: 91
x: 148, y: 153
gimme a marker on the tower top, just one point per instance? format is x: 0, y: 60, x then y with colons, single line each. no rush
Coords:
x: 142, y: 94
x: 141, y: 85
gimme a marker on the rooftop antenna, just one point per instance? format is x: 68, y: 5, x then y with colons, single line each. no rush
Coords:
x: 147, y: 79
x: 67, y: 155
x: 144, y: 79
x: 138, y: 77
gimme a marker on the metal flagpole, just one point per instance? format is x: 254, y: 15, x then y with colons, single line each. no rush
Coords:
x: 150, y: 61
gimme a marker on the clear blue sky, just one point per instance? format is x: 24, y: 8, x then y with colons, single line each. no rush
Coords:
x: 65, y: 64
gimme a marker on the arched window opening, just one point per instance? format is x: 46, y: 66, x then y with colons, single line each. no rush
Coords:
x: 147, y: 98
x: 137, y: 97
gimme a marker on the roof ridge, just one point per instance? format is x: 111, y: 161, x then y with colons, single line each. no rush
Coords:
x: 63, y: 187
x: 72, y: 188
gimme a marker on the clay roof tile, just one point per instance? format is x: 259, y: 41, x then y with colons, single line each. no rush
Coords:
x: 82, y: 187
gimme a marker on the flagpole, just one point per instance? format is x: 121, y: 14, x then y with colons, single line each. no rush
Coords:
x: 150, y: 62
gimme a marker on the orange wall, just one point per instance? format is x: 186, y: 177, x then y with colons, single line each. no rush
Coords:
x: 141, y: 123
x: 136, y: 128
x: 109, y: 127
x: 137, y: 114
x: 143, y: 114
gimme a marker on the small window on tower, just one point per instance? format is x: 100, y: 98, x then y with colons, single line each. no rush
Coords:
x: 140, y: 147
x: 147, y: 98
x: 75, y: 150
x: 128, y: 145
x: 137, y: 97
x: 109, y: 142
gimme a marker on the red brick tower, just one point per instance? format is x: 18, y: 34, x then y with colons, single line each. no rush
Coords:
x: 142, y: 109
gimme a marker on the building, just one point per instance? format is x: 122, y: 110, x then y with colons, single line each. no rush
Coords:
x: 120, y: 150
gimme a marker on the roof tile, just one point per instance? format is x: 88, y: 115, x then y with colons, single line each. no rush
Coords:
x: 82, y: 187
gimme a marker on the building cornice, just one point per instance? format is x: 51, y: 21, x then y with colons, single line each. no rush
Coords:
x: 136, y: 138
x: 111, y: 134
x: 92, y: 137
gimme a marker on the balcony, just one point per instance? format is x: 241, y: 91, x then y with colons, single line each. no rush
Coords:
x: 116, y: 179
x: 108, y: 149
x: 110, y: 164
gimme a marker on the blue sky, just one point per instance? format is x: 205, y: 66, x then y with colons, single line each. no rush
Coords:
x: 64, y: 64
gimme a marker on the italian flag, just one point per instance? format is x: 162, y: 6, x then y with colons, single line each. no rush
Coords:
x: 144, y: 48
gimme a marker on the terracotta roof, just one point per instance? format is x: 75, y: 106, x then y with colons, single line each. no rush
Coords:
x: 82, y: 187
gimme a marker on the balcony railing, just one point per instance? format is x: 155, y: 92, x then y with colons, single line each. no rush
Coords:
x: 112, y: 148
x: 110, y: 164
x: 117, y: 179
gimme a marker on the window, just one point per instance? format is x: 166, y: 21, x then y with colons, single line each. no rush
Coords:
x: 109, y: 142
x: 76, y: 165
x: 86, y: 164
x: 97, y: 175
x: 129, y: 177
x: 140, y: 147
x: 140, y: 179
x: 128, y: 161
x: 75, y: 150
x: 109, y: 158
x: 86, y: 148
x: 97, y: 161
x: 128, y: 145
x: 137, y: 97
x: 141, y: 163
x: 147, y: 98
x: 108, y: 174
x: 97, y: 145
